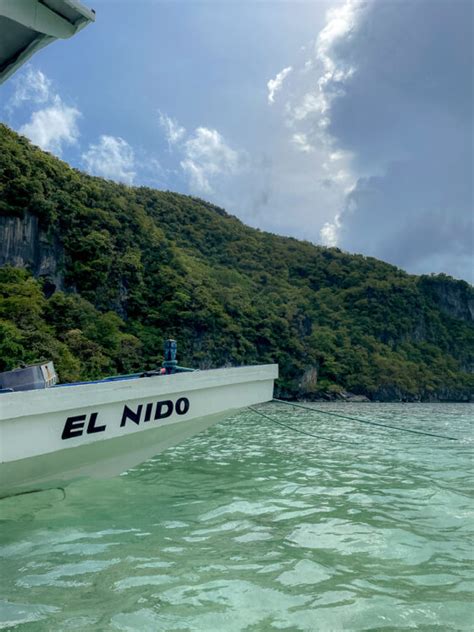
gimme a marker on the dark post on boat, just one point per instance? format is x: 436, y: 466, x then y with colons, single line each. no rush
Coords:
x: 170, y: 350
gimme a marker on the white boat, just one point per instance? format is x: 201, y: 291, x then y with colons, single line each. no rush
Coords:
x: 52, y: 436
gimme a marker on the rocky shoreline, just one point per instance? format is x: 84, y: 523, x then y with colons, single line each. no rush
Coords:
x: 444, y: 397
x: 309, y: 389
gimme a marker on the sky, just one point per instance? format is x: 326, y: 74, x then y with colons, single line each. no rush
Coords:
x: 347, y: 123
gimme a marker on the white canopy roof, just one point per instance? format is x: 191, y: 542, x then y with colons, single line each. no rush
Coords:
x: 28, y: 25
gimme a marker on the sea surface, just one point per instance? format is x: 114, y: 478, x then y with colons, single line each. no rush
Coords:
x: 254, y: 526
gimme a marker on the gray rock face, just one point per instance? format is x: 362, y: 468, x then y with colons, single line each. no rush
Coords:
x: 309, y: 380
x: 346, y: 396
x: 454, y: 299
x: 24, y: 245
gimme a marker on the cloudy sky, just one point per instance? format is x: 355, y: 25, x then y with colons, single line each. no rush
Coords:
x: 343, y: 123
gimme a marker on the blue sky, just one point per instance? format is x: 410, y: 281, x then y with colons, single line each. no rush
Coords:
x: 344, y: 123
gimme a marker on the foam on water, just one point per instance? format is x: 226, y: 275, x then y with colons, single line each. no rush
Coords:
x: 252, y: 527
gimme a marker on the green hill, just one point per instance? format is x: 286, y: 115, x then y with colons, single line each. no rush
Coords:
x: 114, y: 270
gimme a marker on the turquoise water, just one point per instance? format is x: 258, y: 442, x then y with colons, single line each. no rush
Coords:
x: 253, y: 527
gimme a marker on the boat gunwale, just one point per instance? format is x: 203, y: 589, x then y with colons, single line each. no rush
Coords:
x: 20, y: 403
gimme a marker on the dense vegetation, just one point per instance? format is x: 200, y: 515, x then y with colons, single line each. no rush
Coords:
x: 139, y: 266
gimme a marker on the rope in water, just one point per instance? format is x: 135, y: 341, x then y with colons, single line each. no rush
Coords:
x: 309, y: 434
x: 365, y: 421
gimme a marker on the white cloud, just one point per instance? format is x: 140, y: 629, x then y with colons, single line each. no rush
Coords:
x: 53, y: 126
x: 300, y: 140
x: 340, y: 21
x: 274, y: 85
x: 112, y: 157
x: 331, y: 71
x: 309, y: 104
x: 308, y: 113
x: 31, y: 85
x: 206, y: 155
x: 197, y: 175
x: 330, y: 232
x: 173, y: 131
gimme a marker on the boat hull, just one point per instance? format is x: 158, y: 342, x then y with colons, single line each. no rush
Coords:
x: 102, y: 430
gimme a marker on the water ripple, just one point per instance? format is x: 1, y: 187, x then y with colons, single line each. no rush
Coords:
x: 250, y: 527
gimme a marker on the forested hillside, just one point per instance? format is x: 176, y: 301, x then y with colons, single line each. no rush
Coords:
x: 114, y: 270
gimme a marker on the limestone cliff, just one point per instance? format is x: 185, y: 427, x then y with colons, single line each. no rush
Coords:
x: 23, y: 244
x: 455, y: 300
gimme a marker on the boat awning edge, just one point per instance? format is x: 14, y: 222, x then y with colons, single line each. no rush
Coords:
x: 30, y: 25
